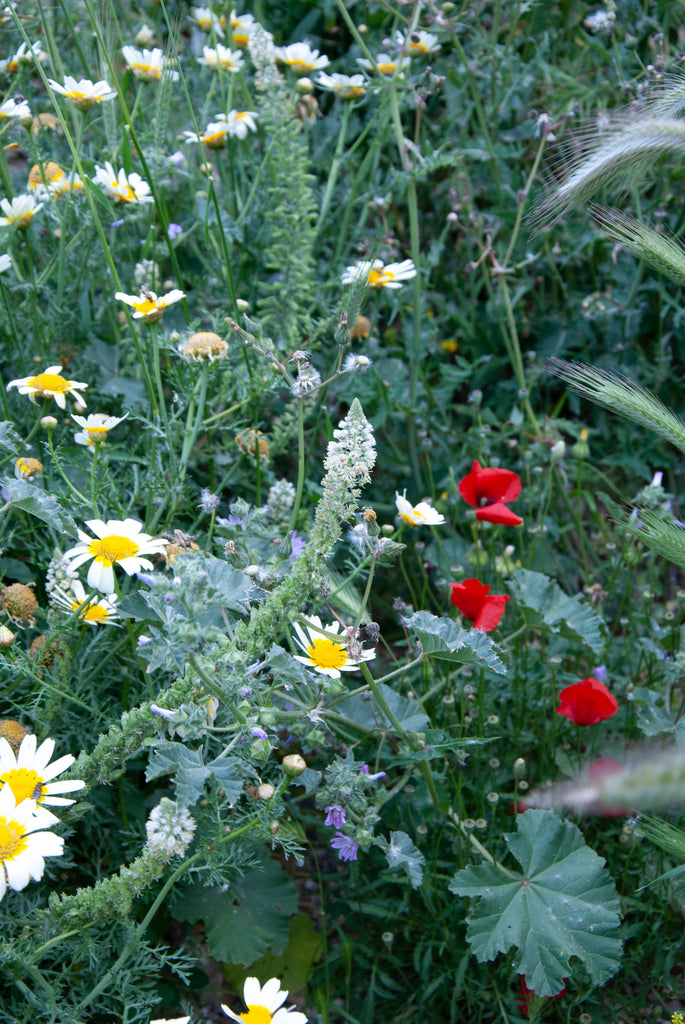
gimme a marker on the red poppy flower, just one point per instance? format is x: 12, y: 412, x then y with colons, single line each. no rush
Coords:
x: 488, y: 491
x: 587, y: 702
x: 474, y: 601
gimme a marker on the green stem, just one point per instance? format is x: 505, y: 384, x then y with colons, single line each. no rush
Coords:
x: 301, y: 463
x: 335, y: 166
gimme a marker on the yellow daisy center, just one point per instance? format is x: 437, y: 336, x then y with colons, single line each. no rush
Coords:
x: 93, y: 613
x: 326, y: 653
x: 411, y: 517
x: 256, y: 1015
x: 240, y: 40
x: 145, y: 306
x: 111, y: 549
x: 12, y: 839
x: 239, y: 115
x: 24, y: 783
x: 150, y: 70
x: 374, y: 277
x: 387, y: 69
x: 299, y: 65
x: 49, y: 383
x: 96, y: 434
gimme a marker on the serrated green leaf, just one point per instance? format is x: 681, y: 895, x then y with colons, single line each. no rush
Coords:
x: 233, y: 588
x: 545, y: 606
x: 367, y: 713
x: 446, y: 640
x: 20, y: 494
x: 401, y: 852
x: 225, y: 771
x: 190, y: 774
x: 248, y: 919
x: 563, y: 905
x: 9, y: 438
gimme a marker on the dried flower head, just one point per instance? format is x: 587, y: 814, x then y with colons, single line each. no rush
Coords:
x: 204, y: 345
x: 20, y: 603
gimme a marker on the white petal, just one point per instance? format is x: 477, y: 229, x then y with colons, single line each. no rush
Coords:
x: 17, y: 873
x: 101, y: 577
x: 27, y: 751
x: 231, y: 1014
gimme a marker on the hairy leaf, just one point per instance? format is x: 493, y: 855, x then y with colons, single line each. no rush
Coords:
x: 401, y: 852
x: 562, y: 905
x: 20, y: 494
x: 545, y: 606
x: 446, y: 640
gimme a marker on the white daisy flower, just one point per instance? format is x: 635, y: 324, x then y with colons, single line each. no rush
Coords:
x: 14, y: 108
x: 240, y: 121
x: 386, y: 65
x: 97, y: 611
x: 63, y: 185
x: 49, y: 384
x: 95, y: 428
x: 122, y: 188
x: 417, y: 43
x: 325, y: 655
x: 422, y: 514
x: 242, y: 27
x: 215, y: 134
x: 147, y: 65
x: 265, y: 1005
x: 23, y: 56
x: 149, y: 306
x: 206, y: 19
x: 221, y: 58
x: 116, y: 542
x: 300, y: 58
x: 5, y: 262
x: 24, y: 843
x: 28, y: 772
x: 348, y: 87
x: 19, y: 211
x: 171, y: 1020
x: 380, y: 275
x: 84, y: 93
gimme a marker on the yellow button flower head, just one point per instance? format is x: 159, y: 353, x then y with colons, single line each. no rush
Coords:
x: 204, y: 345
x: 28, y: 772
x: 117, y: 542
x: 95, y: 428
x: 50, y: 384
x: 84, y: 94
x: 422, y: 514
x: 300, y: 58
x: 265, y: 1005
x: 97, y: 611
x: 148, y: 306
x: 380, y: 275
x: 147, y: 65
x: 23, y: 843
x: 122, y: 188
x: 327, y: 656
x: 221, y: 58
x: 19, y: 211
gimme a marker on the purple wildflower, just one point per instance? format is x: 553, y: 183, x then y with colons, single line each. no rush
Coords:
x: 174, y: 230
x: 335, y: 815
x: 297, y: 544
x: 258, y: 732
x: 345, y: 845
x: 600, y: 673
x: 370, y: 777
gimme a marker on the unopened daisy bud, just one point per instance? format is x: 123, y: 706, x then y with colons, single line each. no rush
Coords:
x: 294, y: 764
x: 48, y: 422
x: 557, y: 451
x: 242, y: 304
x: 581, y: 448
x: 519, y: 768
x: 7, y: 637
x: 304, y: 85
x: 274, y: 828
x: 265, y: 791
x: 13, y: 732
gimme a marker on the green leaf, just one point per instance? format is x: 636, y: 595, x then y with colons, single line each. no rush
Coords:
x: 10, y: 440
x: 446, y: 640
x: 190, y: 774
x: 653, y: 717
x: 367, y: 713
x: 20, y: 494
x: 401, y: 852
x: 225, y: 771
x: 563, y: 905
x: 545, y: 606
x: 248, y: 919
x: 294, y: 966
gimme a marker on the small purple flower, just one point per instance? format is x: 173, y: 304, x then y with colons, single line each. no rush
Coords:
x: 147, y: 578
x: 600, y: 673
x: 258, y: 732
x: 174, y: 230
x: 335, y: 815
x: 370, y: 777
x: 177, y: 158
x: 297, y: 544
x: 162, y: 712
x: 117, y: 223
x: 143, y: 639
x: 345, y: 845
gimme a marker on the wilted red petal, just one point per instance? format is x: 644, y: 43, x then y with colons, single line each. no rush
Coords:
x: 587, y: 702
x: 487, y: 486
x: 474, y: 601
x: 498, y: 513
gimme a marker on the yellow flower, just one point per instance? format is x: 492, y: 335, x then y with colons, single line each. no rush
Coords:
x: 49, y: 384
x: 204, y: 345
x: 325, y: 655
x: 26, y: 467
x: 116, y: 542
